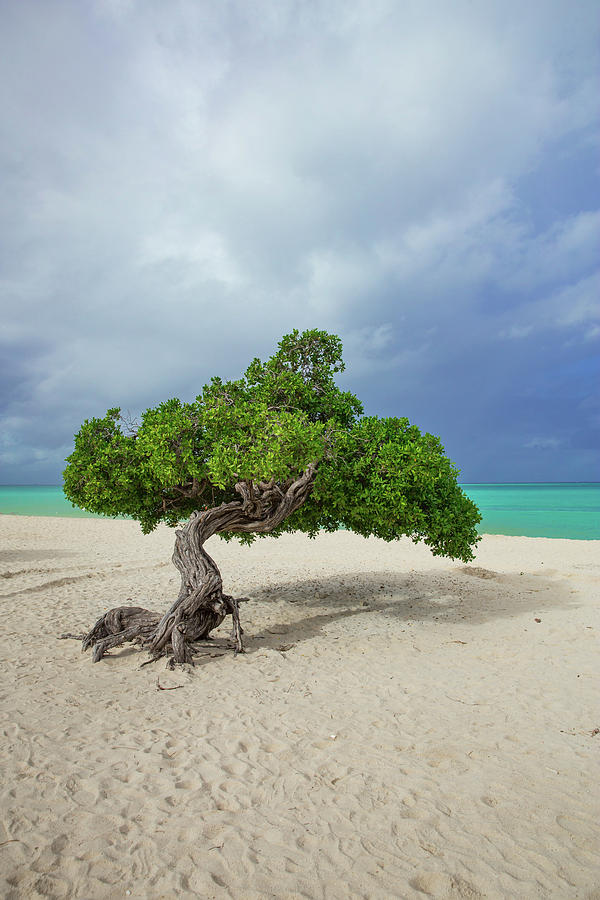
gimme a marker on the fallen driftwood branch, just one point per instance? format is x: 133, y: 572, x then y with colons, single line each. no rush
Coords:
x: 159, y: 686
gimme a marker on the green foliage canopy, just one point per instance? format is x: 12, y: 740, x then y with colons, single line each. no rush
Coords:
x: 375, y: 476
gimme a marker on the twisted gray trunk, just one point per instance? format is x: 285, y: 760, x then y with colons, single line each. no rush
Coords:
x: 201, y: 605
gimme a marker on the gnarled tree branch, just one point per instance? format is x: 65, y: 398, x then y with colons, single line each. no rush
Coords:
x: 201, y: 605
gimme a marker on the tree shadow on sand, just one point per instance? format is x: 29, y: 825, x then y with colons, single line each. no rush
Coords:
x: 458, y: 596
x: 464, y: 595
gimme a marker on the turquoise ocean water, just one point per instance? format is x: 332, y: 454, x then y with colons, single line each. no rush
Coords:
x: 533, y: 510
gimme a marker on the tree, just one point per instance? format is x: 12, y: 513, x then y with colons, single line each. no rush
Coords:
x: 281, y: 449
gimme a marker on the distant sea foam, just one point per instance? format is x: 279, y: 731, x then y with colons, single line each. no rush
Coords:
x: 555, y: 510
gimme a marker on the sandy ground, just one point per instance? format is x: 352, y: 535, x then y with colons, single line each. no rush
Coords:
x: 401, y: 726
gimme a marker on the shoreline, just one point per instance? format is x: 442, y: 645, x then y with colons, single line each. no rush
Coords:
x: 562, y: 510
x: 97, y: 518
x: 401, y: 724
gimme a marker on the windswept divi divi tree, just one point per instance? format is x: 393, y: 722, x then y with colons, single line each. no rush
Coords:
x: 281, y: 449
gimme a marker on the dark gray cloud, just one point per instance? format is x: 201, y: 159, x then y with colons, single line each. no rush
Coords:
x: 182, y: 183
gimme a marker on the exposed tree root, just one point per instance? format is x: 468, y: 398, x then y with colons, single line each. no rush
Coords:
x: 139, y: 626
x: 119, y: 625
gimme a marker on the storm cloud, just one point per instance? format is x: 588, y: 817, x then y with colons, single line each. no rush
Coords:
x: 183, y: 183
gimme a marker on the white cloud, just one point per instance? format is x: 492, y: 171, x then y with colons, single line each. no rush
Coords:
x: 578, y: 303
x: 516, y: 332
x: 566, y: 248
x: 458, y: 241
x: 574, y: 308
x: 543, y: 443
x: 187, y: 181
x: 195, y: 258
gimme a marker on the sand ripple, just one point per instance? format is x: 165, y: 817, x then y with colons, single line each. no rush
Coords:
x: 422, y: 734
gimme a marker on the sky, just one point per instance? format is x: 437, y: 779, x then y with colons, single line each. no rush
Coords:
x: 183, y: 183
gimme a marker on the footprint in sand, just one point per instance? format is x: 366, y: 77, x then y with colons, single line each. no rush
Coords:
x: 439, y: 884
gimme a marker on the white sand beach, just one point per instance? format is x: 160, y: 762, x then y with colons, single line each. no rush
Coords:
x: 400, y: 726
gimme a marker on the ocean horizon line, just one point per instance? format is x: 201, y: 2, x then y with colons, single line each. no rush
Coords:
x: 546, y: 509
